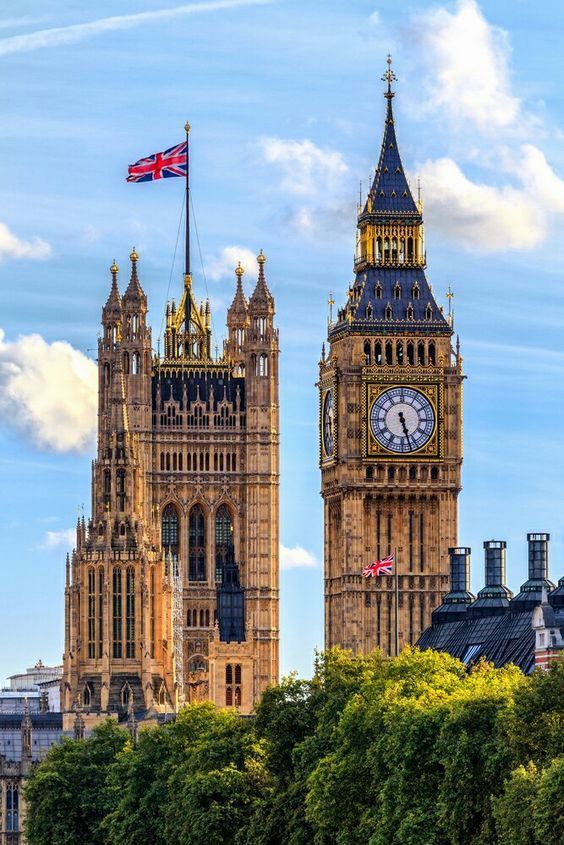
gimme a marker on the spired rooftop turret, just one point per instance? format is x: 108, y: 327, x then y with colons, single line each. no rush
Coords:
x: 390, y: 293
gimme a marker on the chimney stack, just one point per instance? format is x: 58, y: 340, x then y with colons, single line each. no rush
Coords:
x: 493, y: 599
x: 455, y: 603
x: 531, y: 593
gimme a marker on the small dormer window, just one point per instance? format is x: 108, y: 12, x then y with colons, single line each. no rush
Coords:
x: 394, y: 194
x: 428, y: 313
x: 388, y: 312
x: 397, y: 291
x: 398, y: 169
x: 416, y: 291
x: 368, y: 312
x: 382, y: 194
x: 404, y: 194
x: 386, y: 170
x: 378, y: 290
x: 410, y: 311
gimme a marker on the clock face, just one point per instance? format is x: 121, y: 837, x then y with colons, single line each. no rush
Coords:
x: 328, y: 424
x: 402, y: 419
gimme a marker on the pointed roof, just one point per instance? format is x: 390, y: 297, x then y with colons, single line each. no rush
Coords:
x: 261, y: 296
x: 113, y: 302
x: 390, y: 193
x: 134, y: 292
x: 239, y: 307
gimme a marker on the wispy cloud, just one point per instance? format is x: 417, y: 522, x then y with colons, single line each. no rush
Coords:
x: 510, y: 195
x: 222, y: 266
x: 13, y: 247
x: 306, y: 168
x: 468, y: 67
x: 59, y: 539
x: 63, y: 35
x: 48, y: 390
x: 296, y: 558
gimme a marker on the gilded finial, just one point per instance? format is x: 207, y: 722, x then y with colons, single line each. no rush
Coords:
x: 134, y: 258
x: 114, y: 269
x: 389, y: 77
x: 239, y: 271
x: 187, y: 127
x: 261, y: 257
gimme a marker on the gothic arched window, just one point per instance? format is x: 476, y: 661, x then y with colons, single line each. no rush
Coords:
x: 397, y: 291
x: 223, y: 539
x: 91, y: 613
x: 125, y: 693
x: 428, y: 313
x: 117, y: 613
x: 170, y: 530
x: 378, y: 290
x: 87, y: 696
x: 12, y: 807
x: 388, y: 312
x: 130, y: 612
x: 197, y: 544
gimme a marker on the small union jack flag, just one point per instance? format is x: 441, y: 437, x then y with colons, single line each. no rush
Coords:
x: 379, y: 567
x: 173, y: 162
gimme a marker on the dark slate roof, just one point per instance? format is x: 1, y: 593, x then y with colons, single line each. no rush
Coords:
x: 500, y: 639
x: 390, y: 192
x: 369, y: 310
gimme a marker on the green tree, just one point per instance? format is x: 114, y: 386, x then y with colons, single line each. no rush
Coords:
x: 475, y: 754
x: 67, y: 796
x: 513, y: 809
x: 536, y: 724
x: 214, y: 786
x: 549, y: 805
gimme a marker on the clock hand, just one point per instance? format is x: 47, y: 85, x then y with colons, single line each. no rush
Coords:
x: 403, y: 424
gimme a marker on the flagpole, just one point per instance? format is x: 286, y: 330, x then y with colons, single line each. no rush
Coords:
x: 187, y: 278
x: 396, y: 602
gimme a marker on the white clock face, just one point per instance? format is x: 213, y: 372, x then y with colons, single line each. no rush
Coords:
x: 328, y: 424
x: 402, y: 419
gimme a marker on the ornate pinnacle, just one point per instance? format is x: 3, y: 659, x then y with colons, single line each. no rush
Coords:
x: 389, y: 77
x: 114, y: 270
x: 239, y: 271
x: 134, y: 258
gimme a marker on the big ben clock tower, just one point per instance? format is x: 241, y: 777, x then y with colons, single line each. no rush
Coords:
x: 390, y: 425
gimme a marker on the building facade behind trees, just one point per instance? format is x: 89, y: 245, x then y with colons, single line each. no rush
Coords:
x: 172, y: 591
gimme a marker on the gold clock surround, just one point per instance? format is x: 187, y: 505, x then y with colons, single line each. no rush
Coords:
x: 428, y: 382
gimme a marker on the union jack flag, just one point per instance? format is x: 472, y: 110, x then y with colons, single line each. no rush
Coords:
x: 379, y: 567
x: 173, y: 162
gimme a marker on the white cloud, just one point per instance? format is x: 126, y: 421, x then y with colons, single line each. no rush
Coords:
x: 478, y: 216
x: 296, y: 557
x: 468, y: 67
x: 307, y: 170
x: 55, y: 539
x: 486, y: 217
x: 13, y: 247
x: 222, y: 266
x: 62, y: 35
x: 48, y: 391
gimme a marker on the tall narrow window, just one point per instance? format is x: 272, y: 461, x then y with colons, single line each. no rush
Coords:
x: 12, y: 807
x: 152, y: 611
x: 197, y: 545
x: 120, y: 484
x: 130, y: 612
x: 421, y: 544
x: 100, y: 611
x: 411, y: 530
x: 170, y: 531
x: 223, y: 540
x: 117, y: 613
x: 91, y: 613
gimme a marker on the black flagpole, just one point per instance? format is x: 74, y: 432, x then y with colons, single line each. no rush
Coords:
x: 187, y: 279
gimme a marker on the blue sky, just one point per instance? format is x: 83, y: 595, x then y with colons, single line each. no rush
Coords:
x: 285, y: 104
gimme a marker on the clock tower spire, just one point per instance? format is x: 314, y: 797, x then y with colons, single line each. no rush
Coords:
x: 390, y: 424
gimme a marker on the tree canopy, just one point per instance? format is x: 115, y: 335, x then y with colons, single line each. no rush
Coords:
x: 416, y: 750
